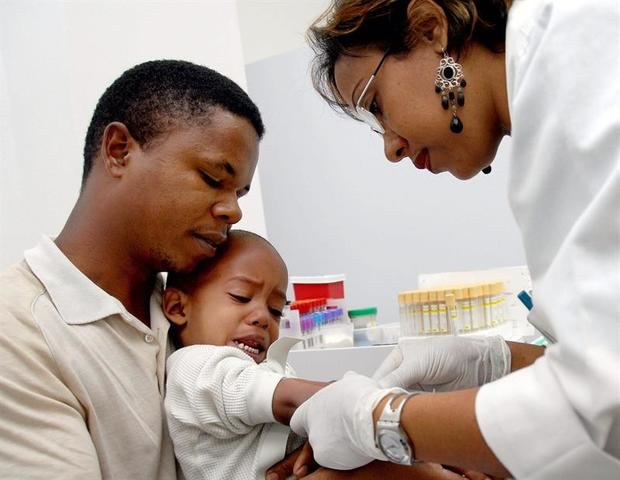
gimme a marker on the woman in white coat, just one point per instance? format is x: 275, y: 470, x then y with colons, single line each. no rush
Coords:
x: 443, y: 81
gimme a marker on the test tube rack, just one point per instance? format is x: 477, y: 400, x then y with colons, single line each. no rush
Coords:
x: 452, y: 310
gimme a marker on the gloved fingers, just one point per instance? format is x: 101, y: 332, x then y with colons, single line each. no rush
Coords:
x: 500, y: 359
x: 343, y: 457
x: 352, y: 383
x: 391, y: 362
x: 298, y: 421
x: 397, y: 378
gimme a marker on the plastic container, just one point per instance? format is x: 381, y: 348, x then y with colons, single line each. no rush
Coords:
x: 382, y: 334
x: 368, y: 336
x: 391, y: 333
x: 336, y: 335
x: 322, y: 286
x: 363, y: 317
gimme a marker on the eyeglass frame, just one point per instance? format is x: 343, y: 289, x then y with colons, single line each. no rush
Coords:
x: 360, y: 112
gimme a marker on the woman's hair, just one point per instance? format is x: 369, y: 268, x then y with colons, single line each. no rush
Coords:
x: 399, y: 25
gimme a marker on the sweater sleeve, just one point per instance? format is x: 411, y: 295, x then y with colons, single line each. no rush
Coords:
x: 219, y: 390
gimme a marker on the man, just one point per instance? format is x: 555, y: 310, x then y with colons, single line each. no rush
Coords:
x: 170, y: 149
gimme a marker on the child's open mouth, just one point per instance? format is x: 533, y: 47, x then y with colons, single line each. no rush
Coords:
x: 252, y: 347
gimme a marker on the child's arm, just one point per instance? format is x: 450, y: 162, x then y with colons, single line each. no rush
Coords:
x: 290, y: 394
x: 219, y: 390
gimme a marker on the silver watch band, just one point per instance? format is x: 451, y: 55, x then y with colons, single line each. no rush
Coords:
x: 390, y: 437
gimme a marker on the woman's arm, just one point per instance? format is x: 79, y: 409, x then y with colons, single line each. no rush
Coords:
x: 443, y: 428
x: 340, y: 422
x: 523, y: 354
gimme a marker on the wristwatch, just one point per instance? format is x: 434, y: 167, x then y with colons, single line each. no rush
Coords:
x: 390, y: 438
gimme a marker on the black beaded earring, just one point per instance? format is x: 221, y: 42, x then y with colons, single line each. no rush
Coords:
x: 449, y: 83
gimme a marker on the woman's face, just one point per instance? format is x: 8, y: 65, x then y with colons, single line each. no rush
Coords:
x: 416, y: 126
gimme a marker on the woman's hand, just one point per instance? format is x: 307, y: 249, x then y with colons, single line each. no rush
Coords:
x: 444, y: 363
x: 338, y: 422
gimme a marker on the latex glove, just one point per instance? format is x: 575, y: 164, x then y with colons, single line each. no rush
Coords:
x: 338, y: 422
x: 444, y: 363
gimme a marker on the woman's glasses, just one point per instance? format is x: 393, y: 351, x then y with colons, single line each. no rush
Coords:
x: 361, y: 112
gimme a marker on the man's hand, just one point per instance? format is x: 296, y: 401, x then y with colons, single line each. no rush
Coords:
x: 444, y: 363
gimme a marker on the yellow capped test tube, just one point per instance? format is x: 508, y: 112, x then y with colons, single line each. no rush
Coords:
x: 453, y: 318
x: 443, y: 312
x: 497, y: 303
x: 486, y: 304
x: 464, y: 309
x: 402, y: 310
x: 418, y: 316
x: 434, y: 310
x: 426, y: 313
x: 477, y: 313
x: 410, y: 314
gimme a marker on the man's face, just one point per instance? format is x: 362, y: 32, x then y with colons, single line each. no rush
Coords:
x: 184, y: 188
x: 237, y: 303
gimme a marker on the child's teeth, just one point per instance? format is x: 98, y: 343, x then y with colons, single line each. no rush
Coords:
x: 247, y: 348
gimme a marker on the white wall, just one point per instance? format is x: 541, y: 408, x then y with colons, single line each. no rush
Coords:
x: 273, y: 27
x: 56, y: 59
x: 333, y: 204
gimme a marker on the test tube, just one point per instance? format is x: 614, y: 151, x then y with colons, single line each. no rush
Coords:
x: 317, y: 334
x: 486, y: 303
x: 453, y: 319
x: 443, y: 312
x: 477, y: 312
x: 464, y: 309
x: 304, y: 331
x: 433, y: 311
x: 417, y: 314
x: 411, y: 320
x: 426, y: 313
x: 403, y: 313
x: 497, y: 304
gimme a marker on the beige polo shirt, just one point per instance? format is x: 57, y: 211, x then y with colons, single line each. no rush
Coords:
x: 81, y: 379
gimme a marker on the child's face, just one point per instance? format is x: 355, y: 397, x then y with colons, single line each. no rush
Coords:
x: 237, y: 303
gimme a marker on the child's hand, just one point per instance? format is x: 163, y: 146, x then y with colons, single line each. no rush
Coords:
x: 285, y: 467
x: 305, y: 463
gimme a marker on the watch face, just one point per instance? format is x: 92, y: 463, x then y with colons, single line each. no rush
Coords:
x: 394, y: 448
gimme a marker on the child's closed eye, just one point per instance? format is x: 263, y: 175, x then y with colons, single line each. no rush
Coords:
x: 275, y: 312
x: 239, y: 298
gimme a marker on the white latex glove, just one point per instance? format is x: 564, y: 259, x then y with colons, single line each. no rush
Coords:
x: 338, y: 422
x: 444, y: 363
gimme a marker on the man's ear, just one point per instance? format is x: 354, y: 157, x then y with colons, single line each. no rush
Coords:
x: 116, y: 145
x: 175, y: 305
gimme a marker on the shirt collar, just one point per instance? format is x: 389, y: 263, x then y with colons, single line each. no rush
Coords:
x: 75, y: 296
x: 158, y: 319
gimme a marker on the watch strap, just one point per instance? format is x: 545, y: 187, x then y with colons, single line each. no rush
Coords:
x: 390, y: 419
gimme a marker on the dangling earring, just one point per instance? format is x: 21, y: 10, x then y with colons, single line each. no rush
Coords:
x: 449, y: 82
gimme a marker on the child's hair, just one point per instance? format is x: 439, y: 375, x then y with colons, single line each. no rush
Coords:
x: 189, y: 282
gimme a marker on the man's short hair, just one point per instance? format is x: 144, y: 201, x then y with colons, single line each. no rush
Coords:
x: 152, y: 97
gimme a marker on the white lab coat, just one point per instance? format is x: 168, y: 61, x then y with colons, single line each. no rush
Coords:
x: 560, y: 418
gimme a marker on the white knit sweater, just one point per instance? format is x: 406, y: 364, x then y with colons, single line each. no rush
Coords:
x: 219, y: 410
